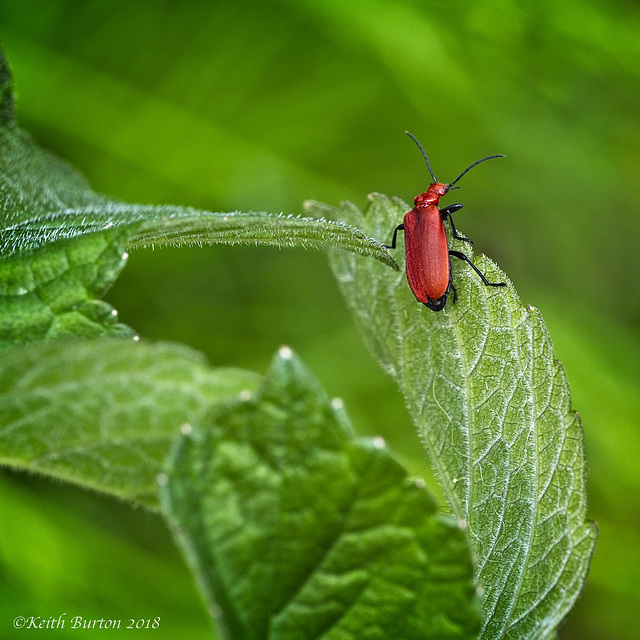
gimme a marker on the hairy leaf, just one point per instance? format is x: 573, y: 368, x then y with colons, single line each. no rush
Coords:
x: 295, y: 529
x: 492, y: 406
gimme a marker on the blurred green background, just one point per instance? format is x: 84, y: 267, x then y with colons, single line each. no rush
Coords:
x: 259, y: 105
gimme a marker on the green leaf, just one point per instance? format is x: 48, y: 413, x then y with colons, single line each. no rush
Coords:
x: 103, y: 413
x: 180, y: 225
x: 492, y: 406
x: 62, y: 245
x: 159, y: 225
x: 51, y: 292
x: 295, y: 529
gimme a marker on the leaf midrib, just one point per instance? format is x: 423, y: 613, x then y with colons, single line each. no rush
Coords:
x: 528, y: 547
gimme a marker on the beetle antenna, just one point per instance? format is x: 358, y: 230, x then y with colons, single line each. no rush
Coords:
x: 424, y: 155
x: 499, y: 155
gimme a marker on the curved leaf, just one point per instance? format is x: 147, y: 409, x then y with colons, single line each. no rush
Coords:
x: 62, y: 245
x: 44, y: 200
x: 157, y: 225
x: 493, y: 409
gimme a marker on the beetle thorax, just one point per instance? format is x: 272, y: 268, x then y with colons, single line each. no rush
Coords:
x: 432, y: 195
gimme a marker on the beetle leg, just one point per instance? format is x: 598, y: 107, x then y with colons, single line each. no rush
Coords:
x: 462, y: 256
x: 400, y: 227
x: 451, y: 286
x: 450, y: 209
x: 446, y: 213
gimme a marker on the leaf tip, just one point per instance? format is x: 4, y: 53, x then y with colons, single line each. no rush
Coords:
x: 285, y: 353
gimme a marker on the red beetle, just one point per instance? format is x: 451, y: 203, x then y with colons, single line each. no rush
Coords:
x: 427, y: 251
